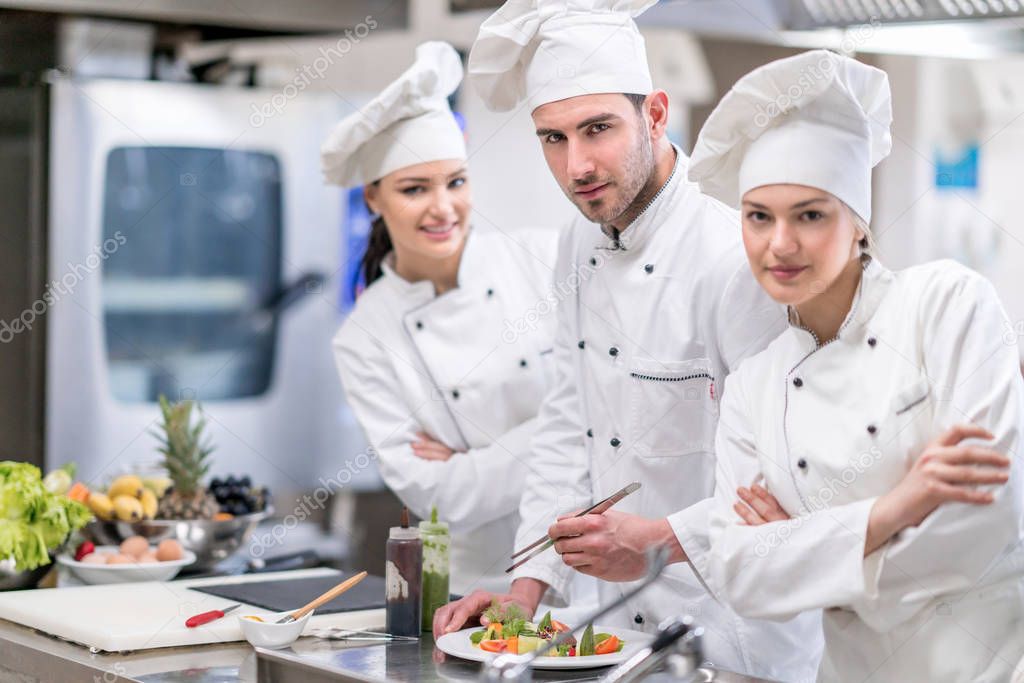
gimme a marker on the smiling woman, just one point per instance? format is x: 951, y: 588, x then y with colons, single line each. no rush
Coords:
x: 423, y: 216
x: 863, y: 464
x: 443, y: 383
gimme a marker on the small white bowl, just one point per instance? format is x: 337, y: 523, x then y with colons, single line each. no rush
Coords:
x: 125, y: 573
x: 270, y: 635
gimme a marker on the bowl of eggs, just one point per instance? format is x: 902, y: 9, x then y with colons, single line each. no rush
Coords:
x: 134, y: 560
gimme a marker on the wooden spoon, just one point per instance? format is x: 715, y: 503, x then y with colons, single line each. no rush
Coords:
x: 326, y: 597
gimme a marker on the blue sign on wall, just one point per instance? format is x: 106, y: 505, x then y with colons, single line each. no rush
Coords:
x: 959, y: 171
x: 355, y: 232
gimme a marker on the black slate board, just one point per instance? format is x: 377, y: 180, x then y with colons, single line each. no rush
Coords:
x: 281, y: 595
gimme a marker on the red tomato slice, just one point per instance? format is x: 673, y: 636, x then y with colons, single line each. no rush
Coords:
x: 607, y: 646
x: 493, y: 645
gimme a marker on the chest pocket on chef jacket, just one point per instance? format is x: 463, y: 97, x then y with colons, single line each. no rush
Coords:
x: 911, y: 416
x: 673, y: 410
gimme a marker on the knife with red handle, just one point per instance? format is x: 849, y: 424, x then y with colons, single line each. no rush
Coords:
x: 207, y: 617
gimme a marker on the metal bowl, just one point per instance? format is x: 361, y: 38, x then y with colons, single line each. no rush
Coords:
x: 211, y: 540
x: 13, y: 579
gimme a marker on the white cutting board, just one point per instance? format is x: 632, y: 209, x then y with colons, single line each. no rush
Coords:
x: 152, y: 614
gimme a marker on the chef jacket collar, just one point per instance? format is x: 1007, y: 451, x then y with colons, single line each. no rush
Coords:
x: 874, y: 282
x: 644, y: 223
x: 422, y: 291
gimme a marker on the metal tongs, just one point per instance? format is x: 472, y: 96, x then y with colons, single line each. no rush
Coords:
x: 597, y: 508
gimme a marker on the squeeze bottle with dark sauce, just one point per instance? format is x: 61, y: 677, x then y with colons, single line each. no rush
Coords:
x: 404, y: 576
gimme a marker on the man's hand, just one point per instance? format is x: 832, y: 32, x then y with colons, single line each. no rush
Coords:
x: 612, y: 546
x: 759, y: 506
x: 525, y: 594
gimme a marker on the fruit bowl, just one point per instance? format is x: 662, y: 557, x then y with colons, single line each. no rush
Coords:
x: 211, y: 540
x: 124, y: 573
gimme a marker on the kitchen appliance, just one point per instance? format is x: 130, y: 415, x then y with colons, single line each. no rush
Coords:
x: 190, y: 241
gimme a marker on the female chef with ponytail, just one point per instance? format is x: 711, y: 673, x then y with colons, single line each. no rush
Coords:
x: 443, y: 358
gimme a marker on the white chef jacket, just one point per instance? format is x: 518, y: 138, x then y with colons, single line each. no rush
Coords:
x: 831, y: 428
x: 469, y: 368
x: 658, y: 318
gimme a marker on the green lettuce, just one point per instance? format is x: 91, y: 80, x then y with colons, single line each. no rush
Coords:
x: 33, y: 521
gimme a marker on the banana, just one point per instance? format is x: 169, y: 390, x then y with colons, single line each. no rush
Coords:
x: 126, y: 485
x: 100, y: 505
x: 149, y: 504
x: 157, y: 485
x: 127, y: 508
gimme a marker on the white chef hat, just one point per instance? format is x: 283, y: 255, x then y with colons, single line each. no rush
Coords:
x: 817, y: 119
x: 548, y: 50
x: 408, y: 123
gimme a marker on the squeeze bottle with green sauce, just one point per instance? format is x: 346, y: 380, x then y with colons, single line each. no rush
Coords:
x: 403, y: 574
x: 436, y: 573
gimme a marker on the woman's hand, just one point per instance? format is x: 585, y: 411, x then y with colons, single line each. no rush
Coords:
x: 429, y: 449
x: 758, y: 506
x: 946, y: 472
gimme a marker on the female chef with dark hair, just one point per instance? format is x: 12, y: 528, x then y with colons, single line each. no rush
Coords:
x: 443, y: 358
x: 865, y: 455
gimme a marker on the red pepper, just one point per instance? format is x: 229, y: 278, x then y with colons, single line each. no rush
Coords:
x: 607, y: 646
x: 572, y: 652
x: 493, y: 645
x: 84, y: 549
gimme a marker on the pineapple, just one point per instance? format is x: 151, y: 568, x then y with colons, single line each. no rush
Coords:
x: 186, y: 460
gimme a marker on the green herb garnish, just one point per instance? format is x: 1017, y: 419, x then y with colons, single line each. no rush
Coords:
x: 587, y: 645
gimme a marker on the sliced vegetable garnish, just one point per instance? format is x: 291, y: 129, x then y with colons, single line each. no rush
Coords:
x: 607, y: 646
x: 493, y: 645
x: 586, y: 647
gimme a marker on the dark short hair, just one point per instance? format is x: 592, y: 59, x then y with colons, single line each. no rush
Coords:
x: 637, y: 100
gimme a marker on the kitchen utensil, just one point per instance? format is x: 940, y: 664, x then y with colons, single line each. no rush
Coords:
x: 597, y: 508
x: 336, y: 633
x: 207, y: 617
x: 211, y: 540
x: 270, y: 633
x: 280, y: 594
x: 325, y: 597
x: 13, y: 579
x: 143, y: 616
x: 124, y: 573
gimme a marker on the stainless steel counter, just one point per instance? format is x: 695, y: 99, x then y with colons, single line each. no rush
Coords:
x: 319, y: 661
x: 27, y: 656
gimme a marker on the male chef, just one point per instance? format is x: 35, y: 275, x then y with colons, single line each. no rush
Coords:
x: 643, y: 345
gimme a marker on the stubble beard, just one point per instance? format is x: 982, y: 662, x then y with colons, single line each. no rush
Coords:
x: 638, y: 169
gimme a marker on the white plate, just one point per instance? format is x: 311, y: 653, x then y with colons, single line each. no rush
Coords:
x: 458, y: 645
x: 125, y: 573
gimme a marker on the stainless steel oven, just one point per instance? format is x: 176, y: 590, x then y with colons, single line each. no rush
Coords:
x: 192, y: 245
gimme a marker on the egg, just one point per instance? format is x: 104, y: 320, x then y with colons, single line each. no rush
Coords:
x: 169, y: 550
x: 121, y: 559
x: 134, y: 546
x: 95, y: 558
x: 148, y: 557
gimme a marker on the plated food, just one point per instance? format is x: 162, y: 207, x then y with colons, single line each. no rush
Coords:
x: 508, y: 632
